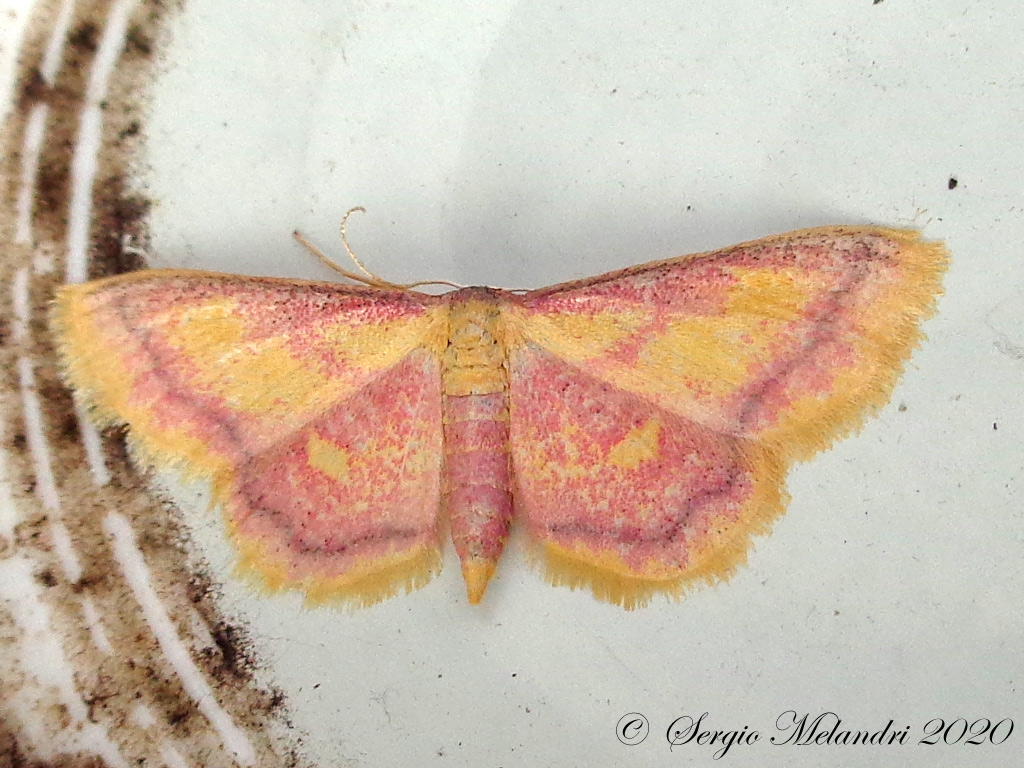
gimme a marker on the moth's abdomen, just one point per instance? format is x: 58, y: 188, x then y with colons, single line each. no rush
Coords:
x: 477, y: 492
x: 478, y: 486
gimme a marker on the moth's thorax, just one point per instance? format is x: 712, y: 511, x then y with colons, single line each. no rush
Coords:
x: 474, y: 360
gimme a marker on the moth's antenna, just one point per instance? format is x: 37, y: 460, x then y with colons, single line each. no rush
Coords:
x: 372, y: 282
x: 358, y: 263
x: 344, y: 241
x: 370, y: 279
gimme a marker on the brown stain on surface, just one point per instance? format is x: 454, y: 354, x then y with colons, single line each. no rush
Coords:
x: 112, y: 685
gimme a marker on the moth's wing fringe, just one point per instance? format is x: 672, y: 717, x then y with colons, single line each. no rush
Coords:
x: 74, y: 351
x: 381, y: 580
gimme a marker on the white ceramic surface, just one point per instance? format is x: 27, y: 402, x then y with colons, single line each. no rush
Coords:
x: 519, y: 144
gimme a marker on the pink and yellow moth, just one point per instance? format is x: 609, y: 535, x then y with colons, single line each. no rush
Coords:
x: 639, y: 424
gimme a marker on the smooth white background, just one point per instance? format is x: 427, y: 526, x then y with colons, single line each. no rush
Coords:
x: 519, y: 144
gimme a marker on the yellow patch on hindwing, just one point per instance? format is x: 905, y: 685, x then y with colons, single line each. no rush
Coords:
x: 327, y: 458
x: 639, y: 445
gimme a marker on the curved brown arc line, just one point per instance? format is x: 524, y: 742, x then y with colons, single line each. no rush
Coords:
x: 693, y: 504
x: 775, y: 380
x: 158, y: 371
x: 289, y: 532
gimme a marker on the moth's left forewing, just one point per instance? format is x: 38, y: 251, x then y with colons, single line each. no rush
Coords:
x: 671, y: 397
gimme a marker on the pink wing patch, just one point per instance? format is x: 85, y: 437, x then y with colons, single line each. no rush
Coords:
x: 624, y: 497
x: 348, y: 506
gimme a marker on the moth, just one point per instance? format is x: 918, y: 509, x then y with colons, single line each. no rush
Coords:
x: 639, y: 424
